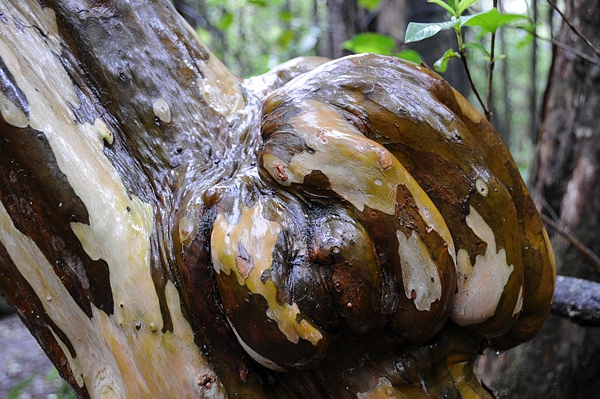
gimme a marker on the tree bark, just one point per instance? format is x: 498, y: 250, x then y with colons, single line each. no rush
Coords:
x: 561, y: 363
x: 86, y: 241
x: 168, y: 230
x: 344, y: 19
x: 578, y: 300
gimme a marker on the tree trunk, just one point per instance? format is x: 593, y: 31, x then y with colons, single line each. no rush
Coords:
x: 344, y: 22
x: 561, y: 362
x: 168, y: 230
x: 86, y: 227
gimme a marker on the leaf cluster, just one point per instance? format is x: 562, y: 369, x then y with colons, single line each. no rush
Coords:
x: 489, y: 22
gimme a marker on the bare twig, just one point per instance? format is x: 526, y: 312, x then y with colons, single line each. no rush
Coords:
x: 565, y: 47
x: 588, y: 253
x: 463, y: 57
x: 574, y: 29
x: 491, y: 64
x: 572, y: 50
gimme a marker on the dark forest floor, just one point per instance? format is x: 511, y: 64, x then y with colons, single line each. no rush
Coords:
x: 25, y: 371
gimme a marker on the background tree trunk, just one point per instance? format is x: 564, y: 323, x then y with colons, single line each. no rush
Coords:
x: 562, y: 361
x: 344, y: 23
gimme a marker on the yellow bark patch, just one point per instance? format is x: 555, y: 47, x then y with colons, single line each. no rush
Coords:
x: 383, y: 390
x: 360, y: 170
x: 257, y: 236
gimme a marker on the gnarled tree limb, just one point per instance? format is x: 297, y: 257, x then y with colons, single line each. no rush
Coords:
x: 578, y: 300
x: 169, y: 230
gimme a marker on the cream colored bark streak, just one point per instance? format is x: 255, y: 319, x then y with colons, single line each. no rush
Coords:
x: 121, y: 355
x: 360, y: 170
x: 419, y: 271
x: 480, y: 286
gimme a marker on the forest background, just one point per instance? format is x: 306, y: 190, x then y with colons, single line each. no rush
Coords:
x: 253, y: 36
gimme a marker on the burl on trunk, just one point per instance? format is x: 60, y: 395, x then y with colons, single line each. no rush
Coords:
x: 342, y: 229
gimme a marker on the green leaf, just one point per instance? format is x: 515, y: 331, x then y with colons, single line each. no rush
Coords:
x: 285, y: 39
x: 525, y: 41
x: 409, y: 55
x: 260, y: 3
x: 479, y: 47
x: 16, y: 391
x: 225, y: 21
x: 369, y: 4
x: 371, y: 42
x: 491, y: 20
x: 463, y: 5
x: 286, y: 16
x: 204, y: 35
x: 417, y: 31
x: 442, y: 64
x: 444, y: 5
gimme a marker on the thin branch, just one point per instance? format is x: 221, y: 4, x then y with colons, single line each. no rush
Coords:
x: 574, y: 29
x: 588, y: 253
x: 491, y: 64
x: 565, y: 47
x: 547, y: 207
x: 572, y: 50
x: 463, y: 57
x: 364, y: 23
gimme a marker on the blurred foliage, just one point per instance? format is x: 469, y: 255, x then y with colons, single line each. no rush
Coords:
x: 513, y: 78
x: 252, y: 36
x: 372, y: 42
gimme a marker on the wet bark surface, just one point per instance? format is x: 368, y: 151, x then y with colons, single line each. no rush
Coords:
x: 170, y: 230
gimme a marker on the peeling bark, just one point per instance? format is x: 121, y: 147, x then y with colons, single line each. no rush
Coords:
x: 169, y: 230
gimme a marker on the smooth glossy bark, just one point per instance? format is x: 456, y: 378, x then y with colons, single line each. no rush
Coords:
x: 169, y: 230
